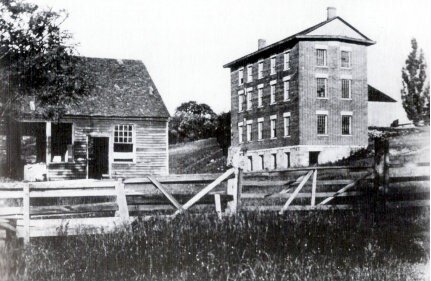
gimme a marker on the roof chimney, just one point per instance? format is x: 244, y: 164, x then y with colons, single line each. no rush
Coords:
x: 332, y: 12
x: 261, y: 43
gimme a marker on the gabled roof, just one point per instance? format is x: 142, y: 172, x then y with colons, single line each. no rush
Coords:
x: 307, y: 34
x: 121, y: 88
x: 378, y: 96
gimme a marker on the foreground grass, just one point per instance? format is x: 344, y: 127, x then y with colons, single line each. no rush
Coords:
x: 298, y: 246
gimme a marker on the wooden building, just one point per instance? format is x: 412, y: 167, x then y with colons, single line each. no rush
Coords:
x: 120, y: 129
x: 302, y: 100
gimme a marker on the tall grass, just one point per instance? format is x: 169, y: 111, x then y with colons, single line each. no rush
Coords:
x: 252, y: 246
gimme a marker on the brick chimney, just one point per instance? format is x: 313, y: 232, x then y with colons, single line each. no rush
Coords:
x: 261, y: 43
x: 332, y: 12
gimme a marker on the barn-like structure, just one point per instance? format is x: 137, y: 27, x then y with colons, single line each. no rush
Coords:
x: 120, y: 129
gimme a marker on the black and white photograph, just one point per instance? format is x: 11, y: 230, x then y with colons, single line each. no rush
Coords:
x: 214, y: 140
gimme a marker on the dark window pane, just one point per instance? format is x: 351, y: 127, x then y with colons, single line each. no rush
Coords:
x: 123, y: 147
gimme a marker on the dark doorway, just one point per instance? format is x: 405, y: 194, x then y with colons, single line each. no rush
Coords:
x: 313, y: 158
x: 98, y: 157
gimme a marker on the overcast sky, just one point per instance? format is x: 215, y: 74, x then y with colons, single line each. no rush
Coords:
x: 184, y: 44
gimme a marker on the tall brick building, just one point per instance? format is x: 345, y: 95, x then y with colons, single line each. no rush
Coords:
x: 302, y: 100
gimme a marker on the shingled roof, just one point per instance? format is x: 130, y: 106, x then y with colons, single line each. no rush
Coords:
x: 121, y: 88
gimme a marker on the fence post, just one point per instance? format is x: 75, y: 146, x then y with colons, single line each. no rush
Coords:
x: 26, y: 213
x: 239, y: 181
x: 123, y: 210
x: 313, y: 189
x: 381, y: 174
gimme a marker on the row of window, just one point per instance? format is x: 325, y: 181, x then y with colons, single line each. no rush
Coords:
x: 274, y: 162
x: 322, y: 126
x: 321, y: 61
x: 322, y: 92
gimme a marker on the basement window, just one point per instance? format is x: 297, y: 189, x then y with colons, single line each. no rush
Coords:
x: 123, y: 143
x: 61, y: 142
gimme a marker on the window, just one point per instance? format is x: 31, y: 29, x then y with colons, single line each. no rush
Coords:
x: 286, y: 60
x: 260, y: 129
x: 321, y: 87
x: 286, y: 117
x: 260, y: 70
x: 262, y: 161
x: 123, y: 143
x: 286, y: 90
x: 259, y: 95
x: 240, y: 132
x: 346, y: 124
x: 249, y: 99
x: 272, y: 92
x: 345, y: 59
x: 61, y: 142
x: 274, y: 161
x: 240, y: 101
x: 321, y: 57
x: 241, y: 76
x: 249, y: 73
x: 287, y: 159
x: 273, y: 126
x: 249, y: 130
x: 346, y: 88
x: 250, y: 163
x: 321, y: 124
x: 273, y: 65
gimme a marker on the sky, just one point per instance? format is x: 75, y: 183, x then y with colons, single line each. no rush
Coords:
x: 185, y: 43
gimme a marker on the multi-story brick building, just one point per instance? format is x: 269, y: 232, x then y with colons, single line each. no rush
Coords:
x: 302, y: 100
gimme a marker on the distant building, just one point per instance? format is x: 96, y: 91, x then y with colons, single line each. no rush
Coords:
x: 382, y: 109
x: 302, y: 100
x: 120, y: 129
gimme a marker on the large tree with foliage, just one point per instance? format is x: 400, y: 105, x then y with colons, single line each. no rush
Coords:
x: 192, y: 121
x: 37, y: 60
x: 415, y: 92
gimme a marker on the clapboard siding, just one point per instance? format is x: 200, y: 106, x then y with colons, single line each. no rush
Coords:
x: 150, y: 145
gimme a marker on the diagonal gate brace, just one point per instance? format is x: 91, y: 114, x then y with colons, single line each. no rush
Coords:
x: 166, y: 193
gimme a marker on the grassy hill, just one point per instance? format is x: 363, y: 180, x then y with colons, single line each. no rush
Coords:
x: 202, y: 156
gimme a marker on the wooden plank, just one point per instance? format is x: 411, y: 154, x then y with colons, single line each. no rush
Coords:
x: 74, y: 193
x: 218, y: 205
x: 310, y: 169
x: 7, y: 226
x: 11, y: 194
x: 121, y: 200
x: 408, y: 179
x: 206, y: 190
x: 343, y: 190
x: 299, y: 208
x: 313, y: 189
x: 408, y: 204
x: 300, y: 195
x: 80, y: 183
x: 166, y: 193
x: 43, y: 228
x: 402, y: 165
x: 26, y: 214
x: 295, y: 192
x: 177, y: 179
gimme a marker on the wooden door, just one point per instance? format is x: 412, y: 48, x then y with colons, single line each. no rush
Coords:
x: 98, y: 157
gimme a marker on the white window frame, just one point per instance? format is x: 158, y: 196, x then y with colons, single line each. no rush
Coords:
x: 286, y: 60
x: 260, y: 69
x: 272, y: 91
x: 325, y: 77
x: 286, y: 88
x: 273, y: 63
x: 349, y: 51
x: 350, y: 88
x: 241, y: 76
x: 273, y: 126
x: 274, y: 160
x: 260, y: 128
x: 240, y: 132
x: 249, y: 98
x: 323, y: 113
x: 325, y: 58
x: 287, y: 130
x: 249, y: 129
x: 124, y: 155
x: 349, y: 114
x: 240, y: 100
x: 262, y: 161
x: 260, y: 95
x: 249, y: 73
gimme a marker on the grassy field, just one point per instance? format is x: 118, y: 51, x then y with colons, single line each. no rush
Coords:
x: 252, y: 246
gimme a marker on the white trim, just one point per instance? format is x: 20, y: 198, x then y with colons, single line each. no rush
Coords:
x: 240, y: 92
x: 260, y: 86
x: 249, y: 122
x: 321, y: 75
x: 322, y: 112
x: 346, y: 76
x: 286, y: 114
x: 286, y: 78
x: 273, y: 82
x: 350, y: 113
x: 323, y: 47
x: 346, y: 48
x: 272, y: 117
x: 261, y: 119
x: 249, y: 89
x: 240, y: 124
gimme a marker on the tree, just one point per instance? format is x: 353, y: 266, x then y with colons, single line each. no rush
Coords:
x: 414, y: 94
x: 222, y: 131
x: 37, y: 60
x: 192, y: 121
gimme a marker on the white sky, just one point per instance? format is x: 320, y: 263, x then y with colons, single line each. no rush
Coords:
x: 185, y: 43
